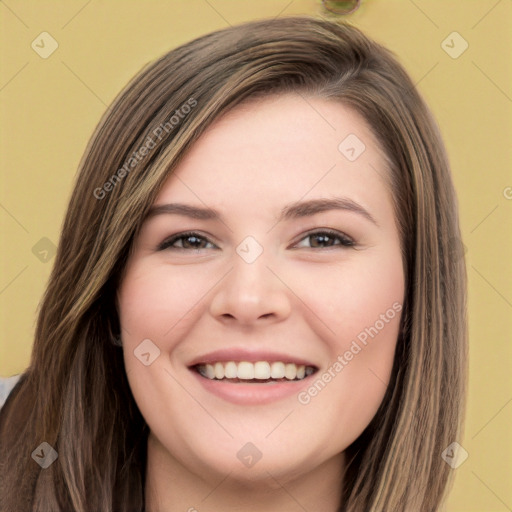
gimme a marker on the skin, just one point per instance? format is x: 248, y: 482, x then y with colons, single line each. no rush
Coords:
x: 304, y: 295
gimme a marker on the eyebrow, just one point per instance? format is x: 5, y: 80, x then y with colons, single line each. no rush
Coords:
x: 291, y: 211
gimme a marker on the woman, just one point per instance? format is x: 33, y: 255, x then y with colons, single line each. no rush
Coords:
x: 258, y: 300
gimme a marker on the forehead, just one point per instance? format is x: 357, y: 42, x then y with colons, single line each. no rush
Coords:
x: 279, y: 149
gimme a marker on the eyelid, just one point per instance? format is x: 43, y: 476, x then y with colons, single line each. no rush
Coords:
x: 167, y: 243
x: 346, y: 240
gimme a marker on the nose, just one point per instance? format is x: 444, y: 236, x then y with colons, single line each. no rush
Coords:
x: 250, y: 294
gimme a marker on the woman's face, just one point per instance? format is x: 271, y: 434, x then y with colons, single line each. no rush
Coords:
x: 273, y: 249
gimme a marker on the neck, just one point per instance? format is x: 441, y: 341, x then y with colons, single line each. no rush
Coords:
x: 172, y: 487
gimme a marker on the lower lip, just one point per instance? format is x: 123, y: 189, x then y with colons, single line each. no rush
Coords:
x: 252, y: 394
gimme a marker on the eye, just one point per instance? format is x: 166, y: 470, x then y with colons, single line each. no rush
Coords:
x: 324, y: 239
x: 186, y: 241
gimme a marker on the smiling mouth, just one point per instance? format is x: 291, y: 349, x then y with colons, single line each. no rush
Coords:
x: 259, y: 372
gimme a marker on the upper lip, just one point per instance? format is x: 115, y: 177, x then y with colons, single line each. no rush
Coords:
x: 251, y: 356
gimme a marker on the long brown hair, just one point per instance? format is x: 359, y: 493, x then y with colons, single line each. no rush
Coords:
x: 75, y: 395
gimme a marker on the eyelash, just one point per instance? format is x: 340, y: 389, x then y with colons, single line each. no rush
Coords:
x: 344, y: 240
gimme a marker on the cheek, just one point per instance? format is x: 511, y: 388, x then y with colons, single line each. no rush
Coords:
x: 352, y: 296
x: 357, y: 314
x: 155, y: 302
x: 161, y: 306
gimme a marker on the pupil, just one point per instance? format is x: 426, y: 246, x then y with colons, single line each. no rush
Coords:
x: 192, y: 241
x: 321, y: 240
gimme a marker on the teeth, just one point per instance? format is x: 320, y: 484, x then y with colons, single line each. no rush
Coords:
x: 277, y: 370
x: 290, y: 371
x: 230, y: 370
x: 210, y: 371
x: 219, y: 370
x: 261, y: 370
x: 245, y: 370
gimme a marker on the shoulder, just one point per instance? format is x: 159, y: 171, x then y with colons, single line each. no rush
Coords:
x: 6, y: 386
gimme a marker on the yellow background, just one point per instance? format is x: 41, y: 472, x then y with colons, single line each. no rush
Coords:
x: 49, y: 108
